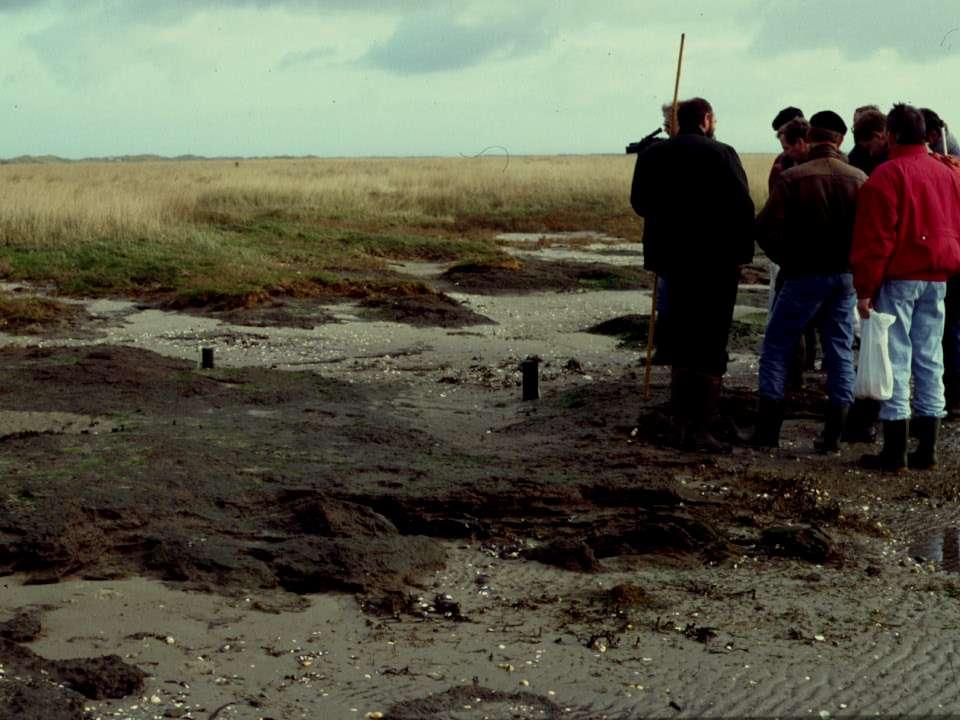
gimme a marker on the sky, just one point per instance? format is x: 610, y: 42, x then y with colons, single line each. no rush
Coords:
x: 93, y: 78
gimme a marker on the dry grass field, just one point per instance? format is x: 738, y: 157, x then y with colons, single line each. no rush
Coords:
x: 230, y: 232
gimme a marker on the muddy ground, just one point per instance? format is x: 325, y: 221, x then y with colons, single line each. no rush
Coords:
x: 362, y: 519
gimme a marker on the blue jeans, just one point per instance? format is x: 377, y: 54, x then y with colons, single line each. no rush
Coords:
x: 831, y: 299
x: 916, y: 346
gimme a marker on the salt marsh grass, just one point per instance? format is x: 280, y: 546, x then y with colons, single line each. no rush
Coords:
x: 196, y: 230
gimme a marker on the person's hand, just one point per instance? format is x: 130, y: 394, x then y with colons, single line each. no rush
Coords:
x: 864, y: 306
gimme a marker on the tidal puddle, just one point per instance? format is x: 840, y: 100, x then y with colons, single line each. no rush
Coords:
x: 942, y: 547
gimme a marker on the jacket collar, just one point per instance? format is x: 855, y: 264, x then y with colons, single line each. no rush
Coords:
x: 823, y: 150
x: 907, y: 151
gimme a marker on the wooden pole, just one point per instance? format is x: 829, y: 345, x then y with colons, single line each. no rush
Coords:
x: 653, y: 299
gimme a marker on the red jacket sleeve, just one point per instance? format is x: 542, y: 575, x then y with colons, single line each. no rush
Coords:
x: 874, y: 235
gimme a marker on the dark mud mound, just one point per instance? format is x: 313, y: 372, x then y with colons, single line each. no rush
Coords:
x: 806, y: 543
x: 745, y: 334
x: 313, y: 544
x: 34, y: 688
x: 214, y: 479
x: 473, y: 702
x: 277, y: 313
x: 108, y: 379
x: 572, y: 528
x: 310, y: 565
x: 38, y: 699
x: 22, y: 627
x: 423, y: 310
x: 533, y: 275
x: 338, y: 544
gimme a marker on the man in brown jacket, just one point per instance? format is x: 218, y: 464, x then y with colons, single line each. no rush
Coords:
x: 806, y: 227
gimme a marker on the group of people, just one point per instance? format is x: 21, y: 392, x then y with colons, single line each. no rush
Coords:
x: 876, y: 231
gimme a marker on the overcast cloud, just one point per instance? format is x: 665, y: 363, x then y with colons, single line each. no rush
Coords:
x: 921, y: 30
x: 439, y: 40
x: 370, y: 77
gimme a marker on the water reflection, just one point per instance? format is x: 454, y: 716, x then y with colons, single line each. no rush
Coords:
x: 943, y: 547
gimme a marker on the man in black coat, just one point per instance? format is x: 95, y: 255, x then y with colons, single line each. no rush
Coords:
x: 698, y: 229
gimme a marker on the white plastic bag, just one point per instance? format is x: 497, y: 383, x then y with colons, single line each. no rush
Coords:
x: 875, y: 373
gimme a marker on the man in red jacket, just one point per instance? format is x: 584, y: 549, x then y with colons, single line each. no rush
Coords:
x: 906, y: 243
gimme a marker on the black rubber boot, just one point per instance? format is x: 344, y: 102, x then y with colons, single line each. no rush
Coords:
x: 927, y: 431
x: 680, y: 404
x: 893, y: 456
x: 769, y: 422
x: 829, y: 441
x: 705, y: 392
x: 862, y: 419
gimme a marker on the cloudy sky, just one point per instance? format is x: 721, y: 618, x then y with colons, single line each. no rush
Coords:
x: 445, y: 77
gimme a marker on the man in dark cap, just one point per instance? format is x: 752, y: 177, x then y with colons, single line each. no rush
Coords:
x: 806, y: 227
x: 784, y: 160
x: 906, y: 244
x: 692, y: 193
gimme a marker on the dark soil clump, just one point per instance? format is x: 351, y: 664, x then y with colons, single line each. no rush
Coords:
x: 423, y: 310
x: 39, y: 699
x: 278, y: 313
x: 34, y: 688
x: 534, y: 275
x: 633, y: 330
x: 22, y: 627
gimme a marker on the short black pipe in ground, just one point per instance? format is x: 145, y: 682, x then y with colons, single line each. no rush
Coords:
x: 530, y: 369
x: 206, y: 358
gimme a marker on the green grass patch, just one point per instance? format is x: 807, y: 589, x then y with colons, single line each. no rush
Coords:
x: 230, y: 265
